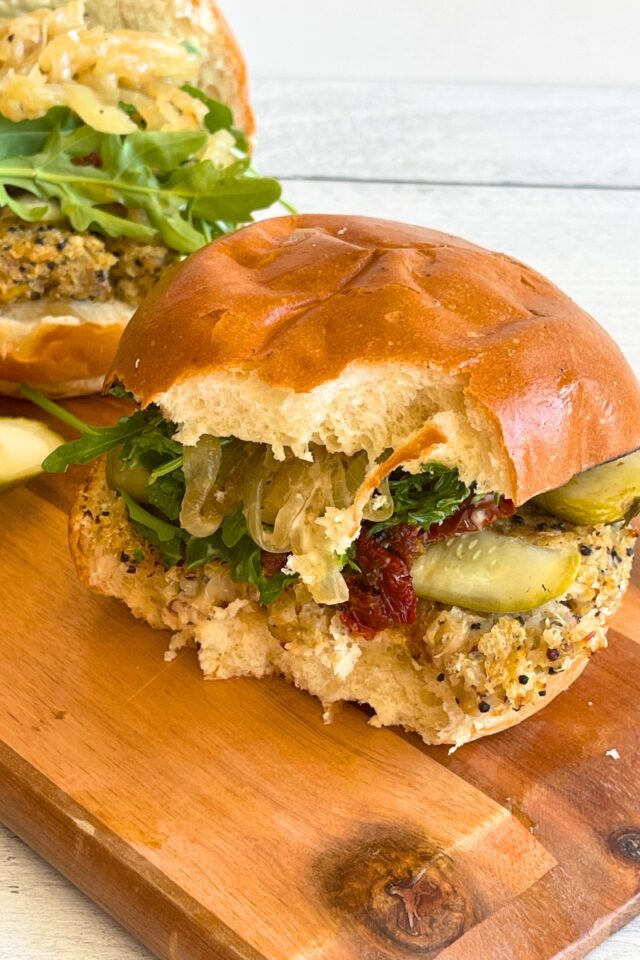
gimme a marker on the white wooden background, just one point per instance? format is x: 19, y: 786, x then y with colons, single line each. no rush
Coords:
x: 503, y: 41
x: 549, y: 175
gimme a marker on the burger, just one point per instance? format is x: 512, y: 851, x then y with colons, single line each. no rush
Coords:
x: 382, y: 462
x: 119, y: 154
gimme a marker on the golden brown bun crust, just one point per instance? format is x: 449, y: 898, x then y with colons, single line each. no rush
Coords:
x: 61, y: 358
x: 238, y: 100
x: 295, y: 300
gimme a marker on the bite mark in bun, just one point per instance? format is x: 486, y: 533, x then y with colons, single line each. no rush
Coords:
x: 344, y: 426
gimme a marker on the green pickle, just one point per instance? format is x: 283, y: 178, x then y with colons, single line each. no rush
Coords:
x: 493, y: 573
x: 603, y: 494
x: 24, y: 444
x: 132, y: 480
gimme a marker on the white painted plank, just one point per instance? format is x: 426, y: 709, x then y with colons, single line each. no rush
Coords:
x: 504, y: 41
x: 586, y: 241
x: 449, y: 133
x: 44, y: 917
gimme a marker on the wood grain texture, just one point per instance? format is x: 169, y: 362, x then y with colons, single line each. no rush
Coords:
x: 586, y: 241
x: 225, y: 819
x: 92, y: 729
x: 449, y: 133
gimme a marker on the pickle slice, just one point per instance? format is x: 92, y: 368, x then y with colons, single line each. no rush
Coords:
x: 23, y: 446
x: 493, y: 573
x: 133, y: 480
x: 603, y: 494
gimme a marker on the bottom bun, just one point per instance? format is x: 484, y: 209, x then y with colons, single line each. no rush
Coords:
x: 453, y: 676
x: 63, y: 348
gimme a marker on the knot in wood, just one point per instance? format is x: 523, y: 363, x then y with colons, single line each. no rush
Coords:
x: 396, y: 887
x: 423, y: 907
x: 625, y: 844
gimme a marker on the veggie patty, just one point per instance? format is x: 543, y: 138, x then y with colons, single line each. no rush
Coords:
x: 53, y: 262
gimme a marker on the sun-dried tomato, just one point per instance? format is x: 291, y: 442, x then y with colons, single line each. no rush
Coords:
x: 382, y: 594
x: 90, y: 160
x: 470, y: 517
x: 272, y: 563
x: 403, y: 539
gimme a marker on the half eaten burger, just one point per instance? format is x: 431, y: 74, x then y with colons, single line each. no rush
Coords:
x: 380, y: 461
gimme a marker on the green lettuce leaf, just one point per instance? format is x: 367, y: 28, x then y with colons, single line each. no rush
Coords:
x: 424, y: 498
x: 233, y: 544
x: 26, y: 137
x: 182, y: 199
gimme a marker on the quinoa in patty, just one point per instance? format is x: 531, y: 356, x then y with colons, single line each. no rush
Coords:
x: 472, y: 662
x: 490, y: 659
x: 52, y: 262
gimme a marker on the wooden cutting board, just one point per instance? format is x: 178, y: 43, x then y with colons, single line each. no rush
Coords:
x: 224, y: 820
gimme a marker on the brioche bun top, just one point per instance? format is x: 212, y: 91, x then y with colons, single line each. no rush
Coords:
x: 355, y: 333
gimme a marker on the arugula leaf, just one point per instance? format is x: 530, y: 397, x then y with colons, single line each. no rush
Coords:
x: 166, y: 494
x: 129, y: 109
x: 348, y: 559
x: 233, y: 529
x: 233, y: 544
x: 153, y: 448
x: 165, y: 537
x: 84, y: 218
x: 48, y: 405
x: 219, y: 116
x: 191, y: 47
x: 424, y: 498
x: 93, y: 445
x: 143, y: 431
x: 26, y: 137
x: 162, y: 150
x: 203, y: 549
x: 25, y: 211
x: 165, y: 468
x: 271, y: 588
x: 145, y: 440
x: 184, y: 200
x: 117, y: 390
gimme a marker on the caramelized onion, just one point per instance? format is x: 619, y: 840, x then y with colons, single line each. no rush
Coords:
x: 380, y: 505
x: 289, y: 505
x: 201, y: 512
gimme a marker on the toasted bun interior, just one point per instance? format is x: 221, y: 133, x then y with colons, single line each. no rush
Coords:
x: 355, y: 333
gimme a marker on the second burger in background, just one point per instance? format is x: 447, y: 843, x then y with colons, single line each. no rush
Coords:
x: 114, y: 163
